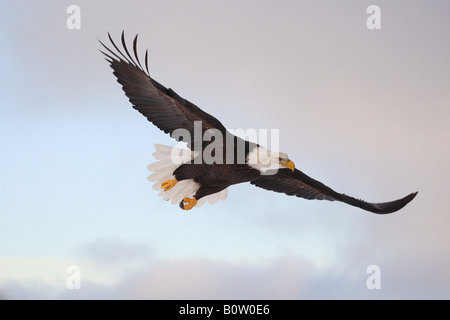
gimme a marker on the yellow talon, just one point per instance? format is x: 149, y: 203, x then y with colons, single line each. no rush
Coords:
x: 189, y: 203
x: 169, y: 184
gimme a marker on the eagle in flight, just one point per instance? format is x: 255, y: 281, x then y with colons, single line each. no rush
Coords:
x: 189, y: 177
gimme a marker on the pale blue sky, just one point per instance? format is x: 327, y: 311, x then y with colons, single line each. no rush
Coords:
x: 364, y: 111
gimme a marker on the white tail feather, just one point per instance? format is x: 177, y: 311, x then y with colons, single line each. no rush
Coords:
x: 169, y: 159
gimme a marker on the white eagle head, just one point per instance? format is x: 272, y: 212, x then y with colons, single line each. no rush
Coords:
x: 265, y: 160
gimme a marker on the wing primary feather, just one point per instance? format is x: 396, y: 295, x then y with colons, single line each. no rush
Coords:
x: 379, y: 208
x: 125, y: 48
x: 112, y: 52
x: 108, y: 57
x: 146, y: 62
x: 118, y: 50
x: 135, y: 51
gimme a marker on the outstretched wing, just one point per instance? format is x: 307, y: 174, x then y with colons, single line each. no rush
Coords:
x: 161, y: 106
x: 298, y: 184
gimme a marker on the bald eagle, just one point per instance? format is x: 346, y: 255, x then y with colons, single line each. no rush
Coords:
x: 187, y: 177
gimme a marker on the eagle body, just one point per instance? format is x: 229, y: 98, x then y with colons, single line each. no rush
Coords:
x: 215, y: 177
x: 204, y: 179
x: 215, y: 158
x: 219, y: 175
x: 231, y: 166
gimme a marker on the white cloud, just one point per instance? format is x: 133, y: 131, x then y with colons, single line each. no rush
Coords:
x: 124, y: 274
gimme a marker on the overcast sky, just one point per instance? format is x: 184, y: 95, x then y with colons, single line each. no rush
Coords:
x: 366, y: 112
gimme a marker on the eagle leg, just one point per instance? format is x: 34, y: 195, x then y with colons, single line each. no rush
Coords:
x: 188, y: 203
x: 169, y: 184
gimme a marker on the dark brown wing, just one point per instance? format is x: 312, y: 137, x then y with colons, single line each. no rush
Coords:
x: 161, y: 106
x: 298, y: 184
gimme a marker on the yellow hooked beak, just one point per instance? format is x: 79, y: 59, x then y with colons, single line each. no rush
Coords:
x: 288, y: 164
